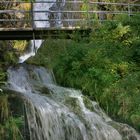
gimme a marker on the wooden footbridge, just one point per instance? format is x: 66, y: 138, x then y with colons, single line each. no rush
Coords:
x: 24, y: 20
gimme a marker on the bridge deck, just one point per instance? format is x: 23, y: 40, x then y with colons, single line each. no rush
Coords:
x: 40, y: 33
x: 19, y: 20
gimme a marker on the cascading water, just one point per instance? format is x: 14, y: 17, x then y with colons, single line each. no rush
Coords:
x: 57, y: 113
x: 31, y: 51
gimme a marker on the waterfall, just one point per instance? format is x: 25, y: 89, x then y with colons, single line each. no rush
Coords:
x: 35, y: 44
x: 33, y: 47
x: 58, y: 113
x: 52, y: 19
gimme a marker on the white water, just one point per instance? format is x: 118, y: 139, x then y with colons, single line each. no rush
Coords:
x: 34, y: 46
x: 57, y: 113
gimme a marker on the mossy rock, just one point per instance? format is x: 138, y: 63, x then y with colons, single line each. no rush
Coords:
x: 88, y: 104
x: 73, y: 104
x: 127, y: 132
x: 44, y: 90
x: 135, y: 118
x: 3, y: 77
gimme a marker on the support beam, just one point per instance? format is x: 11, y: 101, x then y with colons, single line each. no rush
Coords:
x: 29, y: 33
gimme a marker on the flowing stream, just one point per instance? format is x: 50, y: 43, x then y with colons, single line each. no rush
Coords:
x: 58, y: 113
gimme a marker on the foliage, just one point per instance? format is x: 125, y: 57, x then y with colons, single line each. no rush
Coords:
x: 106, y: 69
x: 8, y: 57
x: 14, y: 5
x: 9, y: 125
x: 20, y: 46
x: 8, y: 54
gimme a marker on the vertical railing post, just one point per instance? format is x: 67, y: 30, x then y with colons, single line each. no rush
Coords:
x: 32, y: 24
x: 129, y: 10
x: 31, y: 12
x: 87, y: 12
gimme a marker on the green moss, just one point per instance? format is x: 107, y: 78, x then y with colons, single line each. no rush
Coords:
x: 9, y: 55
x: 126, y: 131
x: 88, y: 103
x: 10, y: 123
x: 43, y: 89
x: 20, y: 45
x: 3, y: 77
x: 4, y: 108
x: 10, y: 129
x: 135, y: 118
x: 73, y: 105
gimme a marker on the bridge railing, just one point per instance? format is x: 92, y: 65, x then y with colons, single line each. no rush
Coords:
x: 22, y: 14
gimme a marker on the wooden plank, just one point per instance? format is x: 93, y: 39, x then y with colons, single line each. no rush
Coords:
x: 43, y: 29
x: 16, y: 29
x: 24, y: 34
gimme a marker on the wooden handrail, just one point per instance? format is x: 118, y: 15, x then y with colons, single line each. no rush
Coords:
x: 80, y: 19
x: 83, y: 15
x: 75, y: 2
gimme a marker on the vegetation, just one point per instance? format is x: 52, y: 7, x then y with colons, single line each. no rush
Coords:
x: 19, y: 17
x: 106, y: 68
x: 10, y: 125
